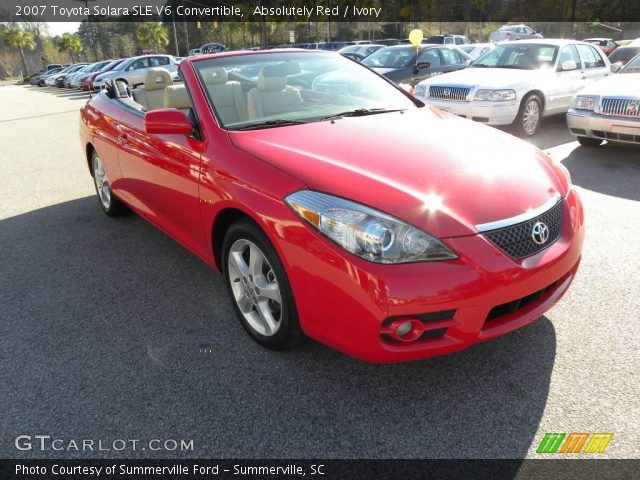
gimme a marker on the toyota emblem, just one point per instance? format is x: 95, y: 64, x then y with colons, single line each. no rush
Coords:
x: 540, y: 233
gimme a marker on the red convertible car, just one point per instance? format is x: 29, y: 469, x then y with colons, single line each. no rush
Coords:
x: 348, y: 213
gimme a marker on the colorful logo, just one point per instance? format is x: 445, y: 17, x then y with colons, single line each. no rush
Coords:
x: 573, y: 442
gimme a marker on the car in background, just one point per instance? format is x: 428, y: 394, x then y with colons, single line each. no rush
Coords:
x: 608, y: 110
x: 513, y: 32
x: 67, y: 78
x: 475, y: 50
x: 212, y: 48
x: 634, y: 43
x: 40, y: 78
x: 622, y: 55
x: 447, y: 39
x: 87, y: 82
x: 607, y: 45
x: 359, y: 52
x: 53, y: 66
x: 194, y: 52
x: 80, y: 76
x: 57, y: 79
x: 518, y: 83
x: 132, y: 70
x: 370, y: 223
x: 406, y: 64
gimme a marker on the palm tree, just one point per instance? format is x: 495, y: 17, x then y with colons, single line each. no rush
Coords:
x: 152, y: 35
x: 14, y: 36
x: 70, y: 43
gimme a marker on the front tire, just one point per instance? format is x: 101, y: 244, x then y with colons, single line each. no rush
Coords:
x: 589, y: 142
x: 108, y: 201
x: 258, y: 286
x: 529, y: 116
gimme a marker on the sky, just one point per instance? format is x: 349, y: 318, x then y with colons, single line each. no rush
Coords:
x: 58, y: 28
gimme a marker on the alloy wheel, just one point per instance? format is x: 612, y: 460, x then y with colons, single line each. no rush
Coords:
x: 255, y: 287
x: 531, y: 117
x: 102, y: 182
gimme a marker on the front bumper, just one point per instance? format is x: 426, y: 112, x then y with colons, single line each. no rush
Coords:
x: 491, y: 113
x: 584, y: 123
x: 347, y: 303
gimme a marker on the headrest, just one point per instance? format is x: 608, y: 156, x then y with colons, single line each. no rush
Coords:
x: 273, y: 78
x: 175, y: 96
x: 157, y: 78
x: 214, y: 75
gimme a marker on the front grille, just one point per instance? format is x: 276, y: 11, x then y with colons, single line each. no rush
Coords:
x: 517, y: 240
x: 448, y: 93
x: 509, y: 308
x: 620, y: 107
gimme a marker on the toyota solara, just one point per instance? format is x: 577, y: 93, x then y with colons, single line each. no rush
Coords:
x: 356, y: 217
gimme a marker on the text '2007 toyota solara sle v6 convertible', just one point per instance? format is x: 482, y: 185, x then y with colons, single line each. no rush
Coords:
x: 353, y: 215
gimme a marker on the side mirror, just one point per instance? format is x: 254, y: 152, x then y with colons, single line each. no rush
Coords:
x: 568, y: 65
x: 167, y: 121
x: 421, y: 66
x: 615, y: 67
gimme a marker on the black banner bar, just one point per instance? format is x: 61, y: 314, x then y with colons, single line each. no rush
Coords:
x: 583, y: 469
x: 411, y: 11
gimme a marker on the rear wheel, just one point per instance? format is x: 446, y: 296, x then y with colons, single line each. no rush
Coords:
x: 529, y: 116
x: 589, y: 142
x: 109, y: 203
x: 259, y: 288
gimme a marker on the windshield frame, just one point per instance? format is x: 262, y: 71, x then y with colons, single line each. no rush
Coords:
x: 243, y: 59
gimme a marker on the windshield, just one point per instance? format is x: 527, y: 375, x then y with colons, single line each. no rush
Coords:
x: 528, y: 56
x: 266, y: 90
x: 391, y: 57
x: 623, y: 54
x: 633, y: 66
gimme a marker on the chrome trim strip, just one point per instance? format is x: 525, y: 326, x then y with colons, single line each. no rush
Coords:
x: 523, y: 217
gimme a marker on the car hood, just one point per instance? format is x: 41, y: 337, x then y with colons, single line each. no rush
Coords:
x: 618, y: 85
x: 489, y: 77
x: 431, y: 169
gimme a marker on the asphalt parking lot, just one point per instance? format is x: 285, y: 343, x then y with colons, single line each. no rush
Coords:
x: 111, y: 330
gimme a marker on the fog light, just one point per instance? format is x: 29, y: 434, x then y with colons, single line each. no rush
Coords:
x: 407, y: 329
x: 404, y: 328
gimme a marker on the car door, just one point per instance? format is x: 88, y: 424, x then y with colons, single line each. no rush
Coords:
x: 451, y: 60
x: 564, y: 83
x: 436, y: 67
x: 594, y: 65
x: 161, y: 178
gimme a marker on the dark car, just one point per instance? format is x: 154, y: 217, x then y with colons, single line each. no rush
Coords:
x: 39, y: 78
x: 624, y: 54
x: 359, y: 52
x: 402, y: 64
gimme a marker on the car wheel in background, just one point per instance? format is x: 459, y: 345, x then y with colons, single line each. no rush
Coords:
x: 258, y: 287
x: 529, y: 116
x: 109, y: 202
x: 589, y: 142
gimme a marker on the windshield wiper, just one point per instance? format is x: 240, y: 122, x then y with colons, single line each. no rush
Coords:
x: 361, y: 112
x: 479, y: 65
x: 271, y: 123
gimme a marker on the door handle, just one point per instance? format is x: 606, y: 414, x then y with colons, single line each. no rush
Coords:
x: 123, y: 138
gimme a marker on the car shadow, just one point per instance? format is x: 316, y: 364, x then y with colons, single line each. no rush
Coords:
x: 111, y: 328
x: 611, y: 169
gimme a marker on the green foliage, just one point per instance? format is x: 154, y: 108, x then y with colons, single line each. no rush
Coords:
x: 151, y: 34
x: 70, y: 43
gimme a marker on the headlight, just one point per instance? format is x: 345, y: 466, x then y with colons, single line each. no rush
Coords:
x: 420, y: 91
x: 366, y: 232
x: 565, y: 172
x: 583, y: 103
x: 495, y: 95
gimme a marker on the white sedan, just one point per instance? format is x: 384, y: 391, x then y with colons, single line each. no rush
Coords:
x: 608, y: 110
x: 134, y: 69
x: 518, y: 83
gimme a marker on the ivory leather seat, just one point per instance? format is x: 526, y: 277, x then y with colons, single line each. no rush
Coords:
x: 227, y: 95
x: 151, y: 96
x: 273, y: 96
